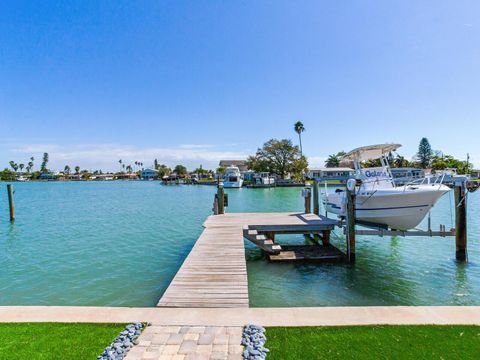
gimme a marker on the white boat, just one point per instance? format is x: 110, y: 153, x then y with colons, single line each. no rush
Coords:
x: 22, y: 178
x: 232, y: 177
x: 379, y: 201
x: 263, y: 179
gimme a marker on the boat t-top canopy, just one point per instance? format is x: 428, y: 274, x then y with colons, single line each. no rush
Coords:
x: 371, y: 152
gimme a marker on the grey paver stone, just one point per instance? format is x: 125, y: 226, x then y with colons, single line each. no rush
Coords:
x: 205, y: 339
x: 234, y: 339
x: 184, y: 330
x: 158, y: 339
x: 197, y: 357
x: 188, y: 347
x: 151, y: 355
x: 218, y: 356
x: 171, y: 329
x: 220, y: 348
x: 235, y: 349
x: 221, y: 339
x: 175, y: 339
x: 191, y: 337
x: 171, y: 349
x: 235, y: 357
x: 204, y: 349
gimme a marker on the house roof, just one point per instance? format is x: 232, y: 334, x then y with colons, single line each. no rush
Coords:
x: 331, y: 169
x: 233, y: 162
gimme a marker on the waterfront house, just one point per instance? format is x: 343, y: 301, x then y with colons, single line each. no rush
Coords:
x: 127, y: 176
x: 403, y: 176
x: 75, y: 177
x: 336, y: 174
x: 149, y: 174
x: 48, y: 176
x: 103, y: 177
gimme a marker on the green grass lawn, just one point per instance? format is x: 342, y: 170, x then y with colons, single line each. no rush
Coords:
x: 55, y: 341
x: 374, y: 342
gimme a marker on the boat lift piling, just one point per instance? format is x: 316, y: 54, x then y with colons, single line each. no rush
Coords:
x: 350, y: 221
x: 316, y: 203
x: 460, y: 195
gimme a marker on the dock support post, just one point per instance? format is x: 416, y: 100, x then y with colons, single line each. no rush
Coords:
x: 326, y: 237
x: 316, y: 204
x: 350, y: 218
x: 460, y: 221
x: 307, y: 195
x: 10, y: 202
x: 221, y: 198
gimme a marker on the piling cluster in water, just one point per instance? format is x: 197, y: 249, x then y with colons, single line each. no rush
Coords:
x: 254, y: 340
x: 118, y: 349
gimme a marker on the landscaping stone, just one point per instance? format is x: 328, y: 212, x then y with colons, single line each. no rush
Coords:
x: 254, y: 340
x: 118, y: 349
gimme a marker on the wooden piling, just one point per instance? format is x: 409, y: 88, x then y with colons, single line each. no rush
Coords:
x: 326, y: 237
x: 10, y: 202
x: 460, y: 222
x: 350, y: 219
x: 221, y: 198
x: 307, y: 195
x: 316, y: 203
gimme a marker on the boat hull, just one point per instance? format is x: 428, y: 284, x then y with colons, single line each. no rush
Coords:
x: 233, y: 184
x: 397, y: 208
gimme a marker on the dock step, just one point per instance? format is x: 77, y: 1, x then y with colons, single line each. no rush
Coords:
x: 261, y: 241
x: 308, y: 253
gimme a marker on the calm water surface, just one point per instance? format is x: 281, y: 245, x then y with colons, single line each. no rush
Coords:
x: 121, y: 243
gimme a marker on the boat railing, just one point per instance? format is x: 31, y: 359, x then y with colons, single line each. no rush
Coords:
x: 438, y: 181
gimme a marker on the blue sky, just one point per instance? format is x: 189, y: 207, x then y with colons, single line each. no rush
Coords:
x: 195, y: 81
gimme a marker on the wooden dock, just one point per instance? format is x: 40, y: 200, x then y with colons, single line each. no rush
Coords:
x: 214, y: 274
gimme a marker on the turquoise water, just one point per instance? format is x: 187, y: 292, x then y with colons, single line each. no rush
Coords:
x: 121, y: 243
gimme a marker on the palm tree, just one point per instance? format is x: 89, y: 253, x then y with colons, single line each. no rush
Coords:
x: 66, y: 170
x: 332, y: 161
x: 77, y: 169
x: 13, y: 165
x: 30, y: 165
x: 21, y: 166
x: 299, y: 129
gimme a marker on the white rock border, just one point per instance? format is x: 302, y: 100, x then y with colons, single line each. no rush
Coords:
x: 254, y: 339
x: 119, y: 348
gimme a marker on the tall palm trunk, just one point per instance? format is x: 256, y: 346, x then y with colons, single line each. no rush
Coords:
x: 300, y: 140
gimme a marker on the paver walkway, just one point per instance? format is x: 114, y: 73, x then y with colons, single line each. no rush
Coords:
x: 188, y: 343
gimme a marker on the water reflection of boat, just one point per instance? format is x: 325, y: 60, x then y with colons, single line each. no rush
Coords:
x: 379, y: 200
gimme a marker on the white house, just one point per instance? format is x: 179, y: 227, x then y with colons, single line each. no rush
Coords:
x: 321, y: 174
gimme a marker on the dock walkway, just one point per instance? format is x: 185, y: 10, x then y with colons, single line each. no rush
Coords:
x: 214, y: 274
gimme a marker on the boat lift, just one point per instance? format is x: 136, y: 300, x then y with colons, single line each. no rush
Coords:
x: 349, y: 222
